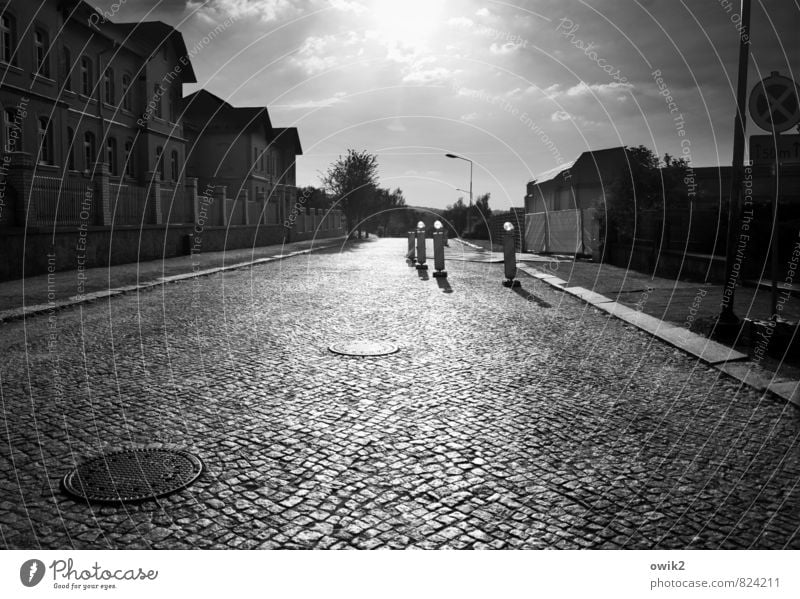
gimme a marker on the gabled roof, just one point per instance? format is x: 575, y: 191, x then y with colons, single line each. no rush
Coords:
x: 142, y: 38
x: 288, y: 137
x: 202, y: 105
x: 596, y: 157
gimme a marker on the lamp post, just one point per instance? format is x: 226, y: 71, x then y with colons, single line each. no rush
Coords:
x: 469, y: 211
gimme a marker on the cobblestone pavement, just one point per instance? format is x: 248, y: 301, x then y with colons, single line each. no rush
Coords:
x: 508, y: 419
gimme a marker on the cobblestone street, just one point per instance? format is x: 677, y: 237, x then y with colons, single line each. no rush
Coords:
x: 508, y: 419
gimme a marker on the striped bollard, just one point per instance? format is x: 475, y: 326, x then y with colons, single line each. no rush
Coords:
x: 410, y: 254
x: 438, y: 250
x: 510, y: 256
x: 421, y: 246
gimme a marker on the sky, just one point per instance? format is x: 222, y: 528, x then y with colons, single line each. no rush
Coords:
x: 519, y: 88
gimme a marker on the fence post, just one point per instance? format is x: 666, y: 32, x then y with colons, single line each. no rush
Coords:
x: 102, y: 195
x: 221, y: 200
x: 20, y: 177
x: 154, y: 196
x: 191, y: 199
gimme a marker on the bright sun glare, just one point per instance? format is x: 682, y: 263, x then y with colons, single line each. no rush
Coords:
x: 407, y: 21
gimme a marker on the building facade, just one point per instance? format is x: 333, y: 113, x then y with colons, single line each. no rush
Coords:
x: 91, y: 125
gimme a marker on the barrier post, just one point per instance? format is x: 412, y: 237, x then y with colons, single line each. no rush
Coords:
x: 510, y: 256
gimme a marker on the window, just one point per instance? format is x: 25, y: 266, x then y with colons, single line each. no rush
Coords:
x: 67, y: 69
x: 111, y: 156
x: 255, y: 158
x: 261, y: 161
x: 160, y: 162
x: 8, y: 39
x: 129, y: 158
x: 11, y: 134
x: 45, y: 141
x: 86, y: 76
x: 157, y: 91
x: 126, y: 93
x: 174, y: 170
x: 70, y: 149
x: 41, y: 45
x: 89, y: 152
x: 108, y: 85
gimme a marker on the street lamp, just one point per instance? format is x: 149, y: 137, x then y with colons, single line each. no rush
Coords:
x: 469, y: 212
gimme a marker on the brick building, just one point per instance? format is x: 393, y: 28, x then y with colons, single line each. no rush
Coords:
x: 96, y: 148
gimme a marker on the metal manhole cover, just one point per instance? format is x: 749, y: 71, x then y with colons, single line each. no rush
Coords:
x: 133, y: 475
x: 363, y: 348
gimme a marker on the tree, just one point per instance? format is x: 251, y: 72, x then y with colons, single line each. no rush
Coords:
x: 353, y: 182
x: 647, y: 184
x: 315, y: 197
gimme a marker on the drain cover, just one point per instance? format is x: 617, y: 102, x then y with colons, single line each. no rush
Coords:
x: 363, y: 348
x: 133, y: 475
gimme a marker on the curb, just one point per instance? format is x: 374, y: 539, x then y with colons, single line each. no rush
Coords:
x: 25, y: 312
x: 721, y: 357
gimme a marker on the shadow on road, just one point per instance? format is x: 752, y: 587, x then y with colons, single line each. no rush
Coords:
x: 528, y: 296
x: 444, y: 285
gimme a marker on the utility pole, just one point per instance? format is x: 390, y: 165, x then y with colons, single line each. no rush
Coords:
x: 727, y: 316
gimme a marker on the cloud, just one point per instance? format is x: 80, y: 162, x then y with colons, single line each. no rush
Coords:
x: 319, y: 53
x: 560, y: 115
x: 427, y: 76
x: 336, y: 98
x: 461, y: 22
x: 469, y: 117
x: 264, y: 10
x: 505, y: 49
x: 585, y: 89
x: 483, y: 12
x: 397, y: 126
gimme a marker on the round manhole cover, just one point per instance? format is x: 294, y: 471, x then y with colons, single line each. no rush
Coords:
x: 133, y: 475
x: 363, y: 348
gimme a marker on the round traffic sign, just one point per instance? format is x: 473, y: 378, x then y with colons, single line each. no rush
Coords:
x: 775, y: 103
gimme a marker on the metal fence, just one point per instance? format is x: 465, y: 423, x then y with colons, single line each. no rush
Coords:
x: 129, y: 206
x: 62, y: 201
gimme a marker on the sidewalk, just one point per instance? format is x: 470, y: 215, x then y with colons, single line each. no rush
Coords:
x: 673, y: 310
x: 34, y: 295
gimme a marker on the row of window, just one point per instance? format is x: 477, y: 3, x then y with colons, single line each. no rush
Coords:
x: 46, y: 149
x: 258, y: 160
x: 83, y: 68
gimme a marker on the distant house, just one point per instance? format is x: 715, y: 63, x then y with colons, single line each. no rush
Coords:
x: 560, y: 203
x: 237, y: 147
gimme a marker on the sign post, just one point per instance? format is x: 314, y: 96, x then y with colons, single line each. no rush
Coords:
x: 775, y: 107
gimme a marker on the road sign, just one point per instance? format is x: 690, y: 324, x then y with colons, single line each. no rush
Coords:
x: 762, y: 149
x: 775, y: 103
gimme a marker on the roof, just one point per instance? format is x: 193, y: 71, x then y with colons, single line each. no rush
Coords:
x: 592, y: 155
x: 288, y: 136
x: 205, y: 106
x: 150, y: 35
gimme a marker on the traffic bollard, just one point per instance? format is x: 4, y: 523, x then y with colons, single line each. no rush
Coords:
x: 510, y: 256
x: 421, y: 246
x: 410, y: 254
x: 438, y: 250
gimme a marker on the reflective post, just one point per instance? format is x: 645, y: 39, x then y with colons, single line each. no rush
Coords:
x: 410, y: 254
x: 421, y: 246
x: 438, y: 250
x: 510, y: 256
